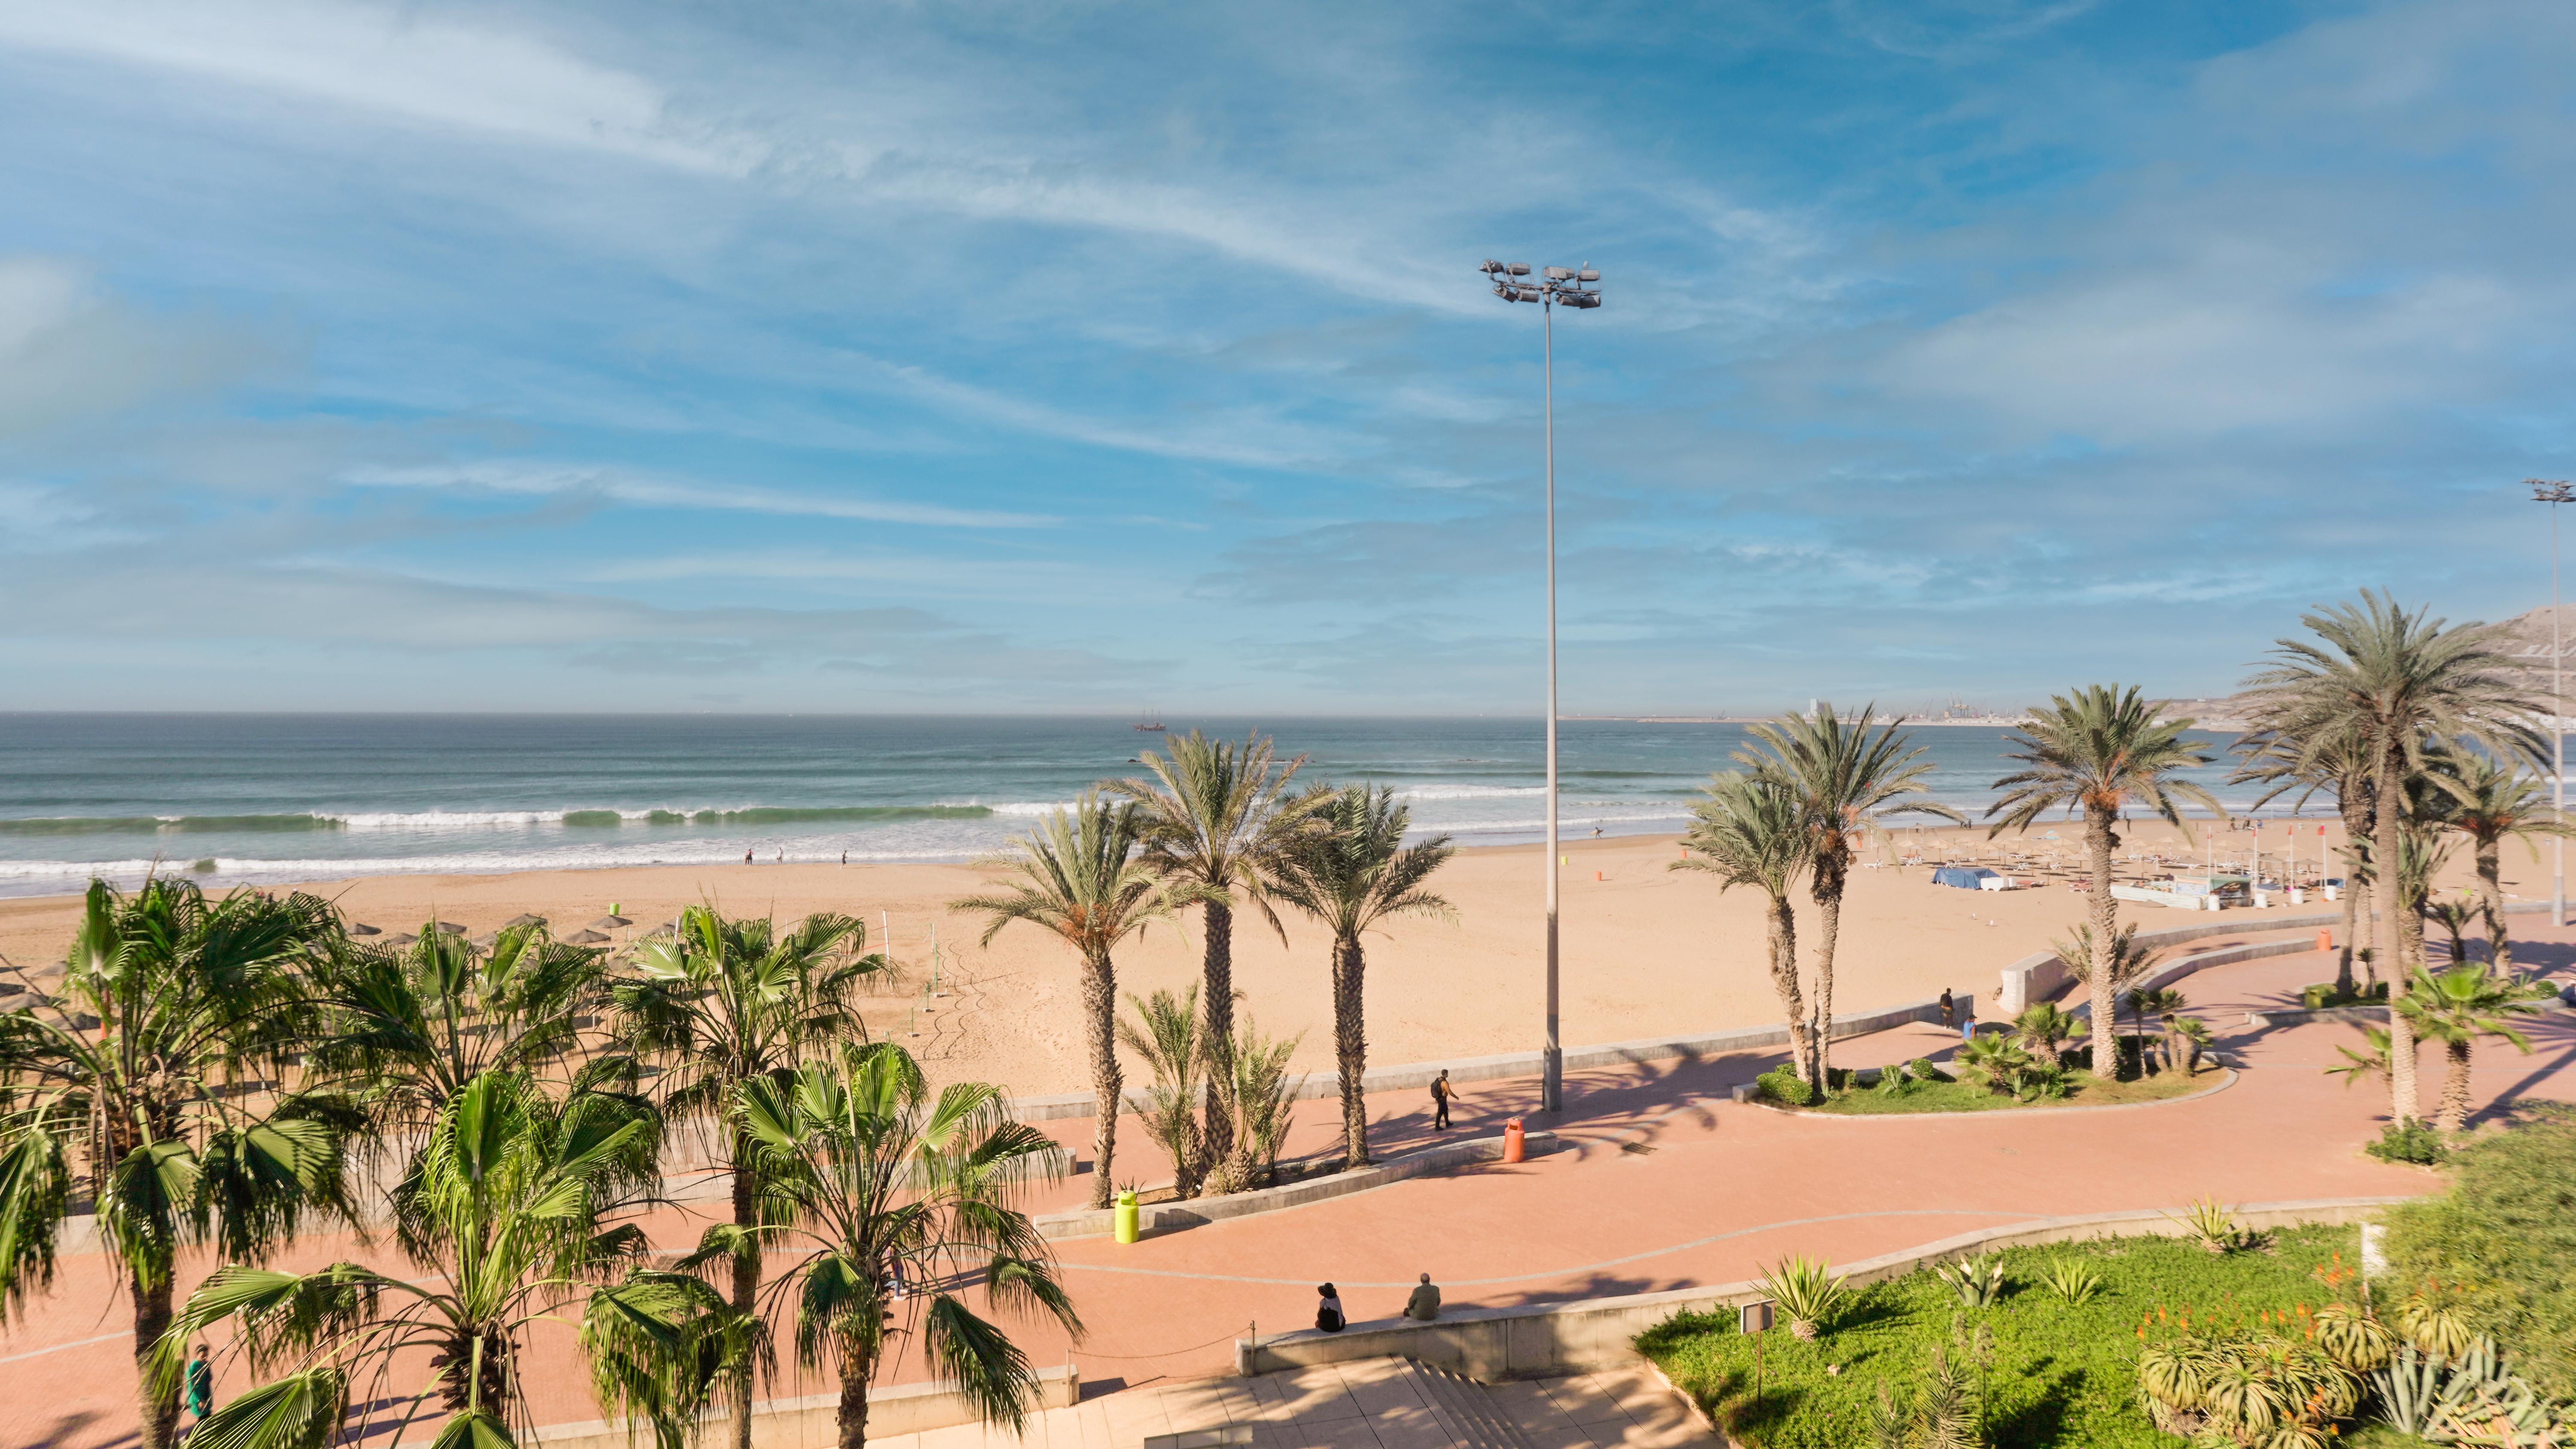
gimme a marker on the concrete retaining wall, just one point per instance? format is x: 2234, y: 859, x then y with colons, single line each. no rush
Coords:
x: 1416, y: 1076
x: 813, y: 1422
x: 1166, y: 1217
x: 1492, y: 1344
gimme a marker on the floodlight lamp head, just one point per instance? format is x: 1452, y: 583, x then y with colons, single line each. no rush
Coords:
x: 1587, y: 275
x: 2551, y: 490
x: 1489, y: 266
x: 1520, y: 269
x: 1560, y: 274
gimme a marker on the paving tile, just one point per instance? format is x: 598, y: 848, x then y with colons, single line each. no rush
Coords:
x: 1545, y: 1425
x: 1378, y: 1393
x: 1206, y: 1403
x: 1413, y: 1429
x: 1584, y: 1401
x: 1632, y: 1388
x: 1313, y: 1394
x: 1091, y: 1426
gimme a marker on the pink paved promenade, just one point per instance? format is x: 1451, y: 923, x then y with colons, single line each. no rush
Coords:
x: 1723, y: 1190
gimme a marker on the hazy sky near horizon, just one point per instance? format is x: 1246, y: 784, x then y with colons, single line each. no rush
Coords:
x: 1027, y: 356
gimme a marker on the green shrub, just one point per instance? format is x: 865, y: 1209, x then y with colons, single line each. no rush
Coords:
x: 1922, y: 1069
x: 1783, y: 1084
x: 2323, y: 994
x: 2502, y: 1243
x: 2408, y: 1142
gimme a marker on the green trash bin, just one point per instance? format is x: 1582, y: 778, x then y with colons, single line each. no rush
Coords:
x: 1123, y: 1216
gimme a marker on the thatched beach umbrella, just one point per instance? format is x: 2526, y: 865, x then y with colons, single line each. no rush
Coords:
x: 610, y: 923
x: 485, y: 943
x: 588, y: 938
x: 361, y: 928
x: 447, y: 928
x: 403, y: 938
x: 522, y: 919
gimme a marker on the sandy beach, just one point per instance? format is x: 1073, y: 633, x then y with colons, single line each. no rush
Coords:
x: 1645, y: 949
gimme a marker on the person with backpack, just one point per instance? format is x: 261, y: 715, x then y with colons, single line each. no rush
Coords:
x: 1328, y: 1310
x: 1442, y: 1094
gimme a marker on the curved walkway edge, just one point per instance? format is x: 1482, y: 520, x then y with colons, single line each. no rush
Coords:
x: 1493, y: 1344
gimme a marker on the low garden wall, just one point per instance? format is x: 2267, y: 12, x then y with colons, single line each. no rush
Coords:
x: 1166, y: 1217
x: 813, y: 1422
x: 1539, y: 1341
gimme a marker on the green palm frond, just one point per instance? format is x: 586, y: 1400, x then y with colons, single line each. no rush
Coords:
x: 2100, y: 750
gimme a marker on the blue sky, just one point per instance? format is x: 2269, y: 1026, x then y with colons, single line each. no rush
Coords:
x: 1033, y: 356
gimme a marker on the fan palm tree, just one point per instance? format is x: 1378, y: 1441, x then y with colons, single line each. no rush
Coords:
x: 135, y: 1090
x: 2162, y: 1003
x: 1351, y: 871
x: 1844, y: 776
x: 898, y: 1201
x: 2039, y: 1029
x: 1080, y: 880
x: 409, y: 1026
x: 2455, y: 1008
x: 2343, y: 767
x: 1216, y: 815
x: 2129, y: 960
x: 2100, y: 750
x: 1750, y: 831
x: 2400, y: 681
x: 2495, y: 801
x: 507, y: 1215
x: 724, y: 1001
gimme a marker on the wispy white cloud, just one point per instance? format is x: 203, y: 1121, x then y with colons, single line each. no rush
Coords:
x: 641, y: 491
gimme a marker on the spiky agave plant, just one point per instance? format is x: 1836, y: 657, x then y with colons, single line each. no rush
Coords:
x: 1978, y: 1281
x: 1809, y: 1294
x: 2070, y: 1281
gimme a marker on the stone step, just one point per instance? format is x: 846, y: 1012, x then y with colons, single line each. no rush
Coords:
x: 1471, y: 1412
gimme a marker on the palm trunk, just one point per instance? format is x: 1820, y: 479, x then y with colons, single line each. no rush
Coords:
x: 2354, y: 807
x: 2098, y: 843
x: 853, y: 1423
x: 2343, y: 957
x: 2453, y: 1113
x: 159, y: 1412
x: 1100, y: 1012
x: 1832, y: 874
x: 2390, y: 913
x: 746, y: 1278
x: 1783, y: 942
x: 1216, y: 1042
x: 1350, y: 1047
x: 2491, y: 903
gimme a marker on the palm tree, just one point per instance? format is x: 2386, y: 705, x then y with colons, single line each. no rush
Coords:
x: 1217, y: 814
x: 725, y: 1001
x: 2496, y: 801
x: 409, y: 1026
x: 2129, y: 960
x: 1844, y: 776
x: 2455, y: 1008
x: 1164, y: 1031
x: 1749, y: 831
x: 899, y: 1201
x: 2163, y: 1003
x: 2039, y: 1029
x: 1081, y: 881
x: 135, y: 1091
x: 2400, y: 681
x: 507, y: 1217
x: 2100, y: 750
x: 2343, y: 766
x: 1351, y: 871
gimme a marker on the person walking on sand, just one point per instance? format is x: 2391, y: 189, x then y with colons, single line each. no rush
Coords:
x: 1442, y: 1094
x: 200, y: 1388
x: 1424, y: 1305
x: 746, y: 857
x: 1328, y: 1308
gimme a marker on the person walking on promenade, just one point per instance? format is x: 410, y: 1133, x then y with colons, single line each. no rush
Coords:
x: 1424, y: 1305
x: 200, y: 1388
x: 1442, y: 1094
x: 1328, y: 1311
x: 1949, y: 1008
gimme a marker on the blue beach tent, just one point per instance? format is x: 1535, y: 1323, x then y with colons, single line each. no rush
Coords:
x: 1965, y: 877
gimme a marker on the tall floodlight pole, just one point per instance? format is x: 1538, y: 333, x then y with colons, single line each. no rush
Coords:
x: 2554, y: 492
x: 1556, y: 287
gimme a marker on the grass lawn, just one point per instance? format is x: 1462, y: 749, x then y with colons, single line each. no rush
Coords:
x: 2081, y: 1091
x: 2059, y: 1376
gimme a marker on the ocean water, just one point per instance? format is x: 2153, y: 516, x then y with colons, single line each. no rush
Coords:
x: 266, y: 798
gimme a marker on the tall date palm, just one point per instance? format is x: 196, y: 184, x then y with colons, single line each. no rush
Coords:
x: 2494, y: 801
x: 1217, y: 815
x: 724, y: 1002
x: 2100, y: 750
x: 2400, y: 681
x: 1751, y: 831
x: 1350, y: 872
x: 135, y: 1089
x: 1843, y: 776
x: 1080, y: 879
